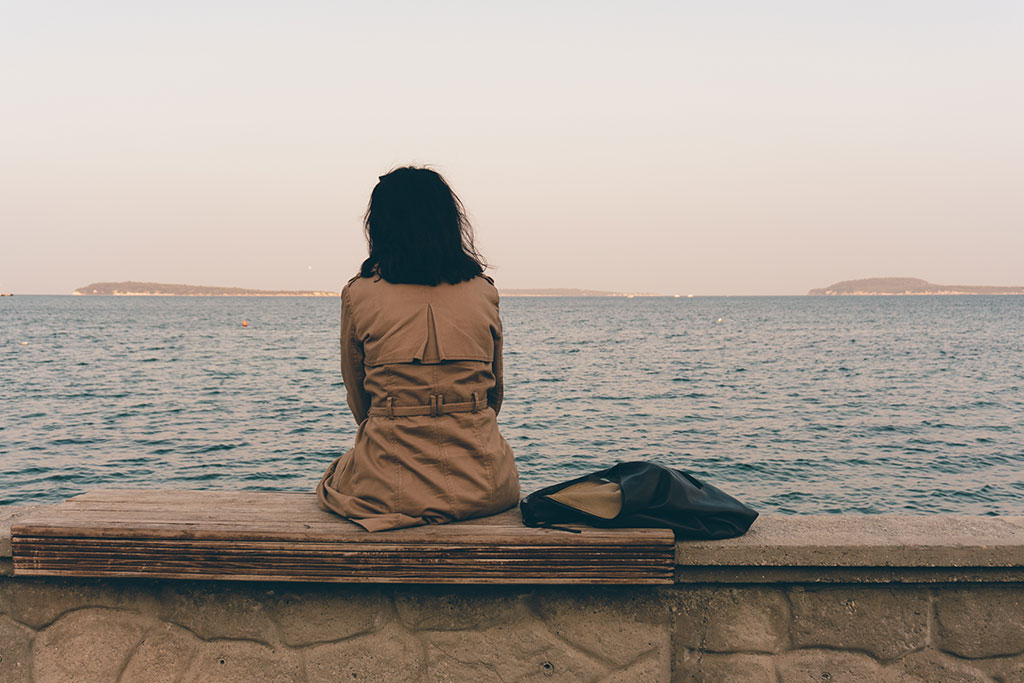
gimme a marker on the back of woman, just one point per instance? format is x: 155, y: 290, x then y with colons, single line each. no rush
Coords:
x: 421, y: 347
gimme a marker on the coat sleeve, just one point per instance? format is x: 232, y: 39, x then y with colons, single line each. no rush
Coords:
x: 352, y: 371
x: 495, y: 395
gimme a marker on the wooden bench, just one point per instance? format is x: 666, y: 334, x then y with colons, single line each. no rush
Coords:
x: 258, y: 536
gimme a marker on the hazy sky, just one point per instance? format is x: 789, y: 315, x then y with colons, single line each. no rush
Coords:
x: 673, y: 147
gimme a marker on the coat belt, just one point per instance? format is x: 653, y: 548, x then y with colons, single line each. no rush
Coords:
x: 435, y: 407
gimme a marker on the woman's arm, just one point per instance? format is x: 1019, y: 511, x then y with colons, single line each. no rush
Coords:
x: 352, y: 371
x: 495, y: 395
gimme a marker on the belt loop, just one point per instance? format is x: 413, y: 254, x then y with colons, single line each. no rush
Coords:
x: 391, y: 407
x: 474, y: 401
x: 433, y: 405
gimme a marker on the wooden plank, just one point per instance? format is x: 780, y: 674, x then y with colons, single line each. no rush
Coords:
x: 304, y: 570
x: 289, y: 533
x: 287, y: 537
x: 71, y: 519
x: 306, y: 548
x: 239, y: 510
x: 310, y: 533
x: 382, y: 560
x: 183, y: 509
x: 381, y: 540
x: 391, y: 565
x: 542, y: 578
x: 548, y: 554
x: 395, y: 565
x: 41, y: 555
x: 392, y: 569
x: 174, y: 495
x: 252, y: 505
x: 258, y: 563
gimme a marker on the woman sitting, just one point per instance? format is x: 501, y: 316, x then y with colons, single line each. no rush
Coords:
x: 421, y: 360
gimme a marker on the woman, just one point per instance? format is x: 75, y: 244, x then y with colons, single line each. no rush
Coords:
x: 421, y: 360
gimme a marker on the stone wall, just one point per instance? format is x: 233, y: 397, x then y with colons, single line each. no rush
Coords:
x: 924, y: 611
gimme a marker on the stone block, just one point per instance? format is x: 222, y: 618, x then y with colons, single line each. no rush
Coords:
x: 220, y: 610
x: 614, y: 624
x: 453, y: 671
x: 654, y: 667
x: 451, y: 608
x: 238, y: 661
x: 163, y: 655
x: 886, y: 622
x: 731, y: 619
x: 929, y: 666
x: 698, y: 667
x: 37, y: 602
x: 91, y: 644
x: 319, y: 614
x: 830, y: 666
x: 1002, y: 669
x: 389, y: 655
x: 521, y: 651
x: 15, y: 642
x: 980, y: 621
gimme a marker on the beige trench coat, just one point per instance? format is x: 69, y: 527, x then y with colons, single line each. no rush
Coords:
x: 422, y: 369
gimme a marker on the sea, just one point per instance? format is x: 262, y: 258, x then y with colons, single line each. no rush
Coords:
x: 795, y: 405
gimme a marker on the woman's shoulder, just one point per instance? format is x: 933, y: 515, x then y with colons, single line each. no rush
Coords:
x: 485, y: 284
x: 348, y: 286
x: 360, y: 282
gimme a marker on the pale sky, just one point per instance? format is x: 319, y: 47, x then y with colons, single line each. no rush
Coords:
x: 672, y: 147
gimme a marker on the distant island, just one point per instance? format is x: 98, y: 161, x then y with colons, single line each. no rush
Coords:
x: 160, y: 289
x: 894, y: 286
x: 567, y: 292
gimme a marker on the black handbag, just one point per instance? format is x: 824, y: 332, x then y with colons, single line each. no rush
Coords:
x: 640, y: 495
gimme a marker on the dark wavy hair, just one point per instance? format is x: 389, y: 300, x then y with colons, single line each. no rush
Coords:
x: 417, y: 231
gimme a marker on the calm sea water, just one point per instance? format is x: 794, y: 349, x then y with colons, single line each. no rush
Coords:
x: 793, y: 404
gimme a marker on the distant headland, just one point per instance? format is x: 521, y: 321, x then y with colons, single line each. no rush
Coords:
x: 160, y: 289
x: 894, y: 286
x: 567, y: 292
